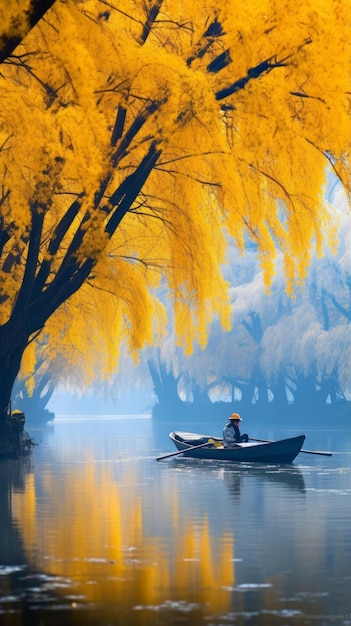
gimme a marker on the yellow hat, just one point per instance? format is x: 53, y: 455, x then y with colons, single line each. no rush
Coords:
x: 235, y: 416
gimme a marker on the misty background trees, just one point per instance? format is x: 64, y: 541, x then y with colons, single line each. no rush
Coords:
x: 280, y: 351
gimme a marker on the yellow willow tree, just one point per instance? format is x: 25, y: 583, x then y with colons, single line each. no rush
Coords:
x: 135, y: 136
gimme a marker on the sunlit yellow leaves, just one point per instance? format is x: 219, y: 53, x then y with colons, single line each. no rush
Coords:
x: 28, y: 364
x: 89, y: 330
x: 242, y: 107
x: 15, y: 19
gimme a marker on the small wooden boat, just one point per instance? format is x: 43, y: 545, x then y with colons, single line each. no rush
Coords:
x: 207, y: 447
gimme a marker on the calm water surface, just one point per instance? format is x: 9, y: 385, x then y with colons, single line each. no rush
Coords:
x: 95, y: 532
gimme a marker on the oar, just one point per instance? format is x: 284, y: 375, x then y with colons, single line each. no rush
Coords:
x: 305, y: 451
x: 202, y: 445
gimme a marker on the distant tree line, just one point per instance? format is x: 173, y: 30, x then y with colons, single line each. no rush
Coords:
x: 281, y: 352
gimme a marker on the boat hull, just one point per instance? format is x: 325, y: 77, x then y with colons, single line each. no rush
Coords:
x: 283, y: 451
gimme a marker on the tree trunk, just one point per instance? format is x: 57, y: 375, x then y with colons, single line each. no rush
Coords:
x: 200, y: 396
x: 34, y: 405
x: 278, y: 388
x: 9, y: 367
x: 13, y: 440
x: 165, y: 385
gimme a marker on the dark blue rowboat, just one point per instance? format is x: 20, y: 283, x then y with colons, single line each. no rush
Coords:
x: 207, y: 447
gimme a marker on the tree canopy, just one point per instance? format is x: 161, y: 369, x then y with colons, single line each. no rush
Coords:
x: 136, y: 138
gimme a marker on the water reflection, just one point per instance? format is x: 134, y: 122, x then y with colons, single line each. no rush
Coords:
x: 12, y: 481
x: 288, y: 479
x: 92, y: 537
x: 234, y: 476
x: 95, y: 527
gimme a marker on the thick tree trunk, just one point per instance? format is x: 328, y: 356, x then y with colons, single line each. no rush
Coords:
x: 34, y: 405
x: 165, y: 385
x: 14, y: 441
x: 10, y: 360
x: 200, y: 396
x: 280, y: 399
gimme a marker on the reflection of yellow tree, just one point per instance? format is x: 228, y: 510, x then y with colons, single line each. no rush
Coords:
x: 95, y: 533
x: 209, y: 568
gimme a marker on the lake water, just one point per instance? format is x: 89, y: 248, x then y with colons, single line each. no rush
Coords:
x: 95, y: 532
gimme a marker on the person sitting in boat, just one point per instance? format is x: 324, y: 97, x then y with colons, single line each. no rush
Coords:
x: 231, y: 432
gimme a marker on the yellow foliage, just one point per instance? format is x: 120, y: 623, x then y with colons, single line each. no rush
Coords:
x: 28, y: 364
x: 237, y: 110
x: 14, y: 19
